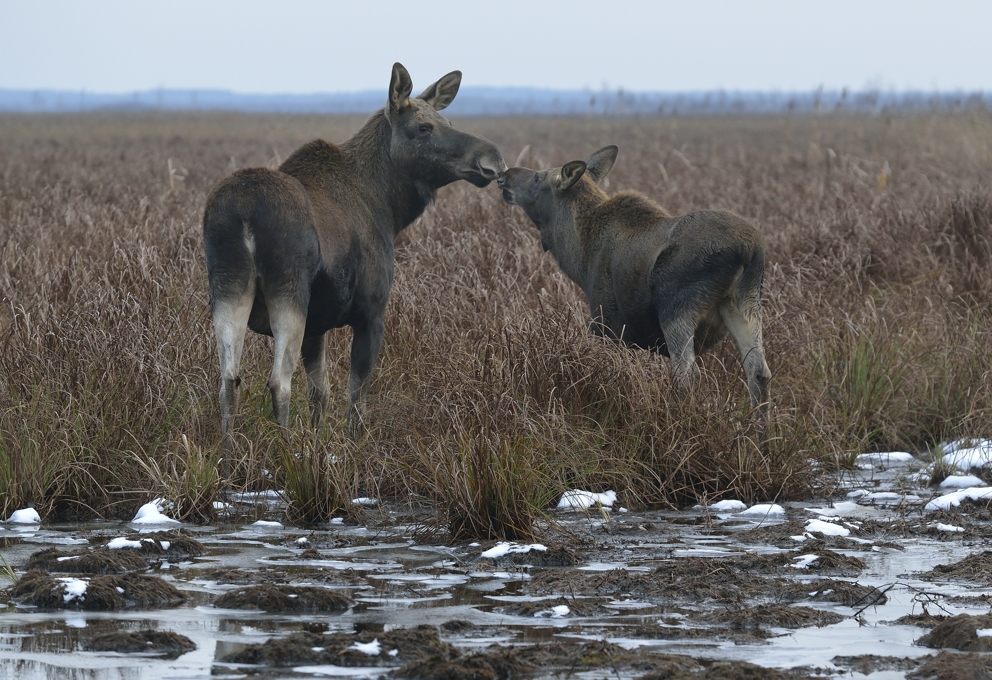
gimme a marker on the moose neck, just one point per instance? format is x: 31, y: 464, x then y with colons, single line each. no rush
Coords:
x: 572, y: 237
x: 395, y: 197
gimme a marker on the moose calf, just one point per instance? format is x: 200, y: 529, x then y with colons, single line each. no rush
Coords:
x: 669, y: 284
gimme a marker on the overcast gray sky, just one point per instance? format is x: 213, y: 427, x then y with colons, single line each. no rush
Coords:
x: 305, y: 46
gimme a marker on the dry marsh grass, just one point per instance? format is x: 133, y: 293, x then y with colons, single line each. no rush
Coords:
x: 491, y: 396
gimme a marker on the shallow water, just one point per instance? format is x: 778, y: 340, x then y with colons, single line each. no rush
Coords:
x: 397, y: 582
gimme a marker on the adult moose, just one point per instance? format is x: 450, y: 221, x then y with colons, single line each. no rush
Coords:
x: 670, y: 284
x: 297, y: 251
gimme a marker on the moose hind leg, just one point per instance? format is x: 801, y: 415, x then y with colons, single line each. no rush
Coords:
x: 746, y: 331
x: 288, y: 322
x: 365, y: 345
x: 679, y: 336
x: 314, y: 353
x: 230, y: 318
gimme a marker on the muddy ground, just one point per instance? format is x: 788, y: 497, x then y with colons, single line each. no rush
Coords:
x: 690, y: 594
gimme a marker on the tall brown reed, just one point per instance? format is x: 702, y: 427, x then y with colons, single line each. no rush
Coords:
x: 877, y: 326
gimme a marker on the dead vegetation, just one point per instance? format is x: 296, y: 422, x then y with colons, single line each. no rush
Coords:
x: 975, y: 569
x: 165, y: 644
x: 284, y: 598
x: 877, y: 322
x: 100, y: 593
x: 960, y: 632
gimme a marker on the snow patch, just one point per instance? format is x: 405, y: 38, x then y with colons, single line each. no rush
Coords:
x: 151, y: 513
x: 939, y: 526
x: 370, y: 648
x: 727, y: 506
x: 765, y: 509
x: 504, y: 548
x: 577, y: 499
x: 559, y: 612
x: 961, y: 481
x: 867, y: 461
x: 365, y: 501
x: 266, y: 524
x: 820, y: 526
x: 25, y: 516
x: 74, y: 588
x: 121, y: 542
x: 954, y: 499
x: 803, y: 561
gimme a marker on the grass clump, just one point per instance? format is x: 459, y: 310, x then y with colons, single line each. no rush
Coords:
x: 490, y: 486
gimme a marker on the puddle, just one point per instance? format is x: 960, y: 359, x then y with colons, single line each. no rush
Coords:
x: 641, y: 592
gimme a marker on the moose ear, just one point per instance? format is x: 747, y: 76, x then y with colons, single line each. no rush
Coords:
x: 442, y: 93
x: 570, y: 174
x: 601, y: 162
x: 400, y: 87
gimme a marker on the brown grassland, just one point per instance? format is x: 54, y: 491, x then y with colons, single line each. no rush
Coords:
x: 490, y: 396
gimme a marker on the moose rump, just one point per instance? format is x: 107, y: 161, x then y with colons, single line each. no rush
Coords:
x: 264, y: 266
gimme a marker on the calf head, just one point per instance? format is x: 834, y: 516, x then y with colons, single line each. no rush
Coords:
x: 544, y: 194
x: 423, y: 144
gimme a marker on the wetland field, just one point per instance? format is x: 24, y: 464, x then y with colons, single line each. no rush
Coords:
x: 489, y: 401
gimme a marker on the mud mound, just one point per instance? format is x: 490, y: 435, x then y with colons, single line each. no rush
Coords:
x: 544, y: 608
x: 158, y: 642
x: 724, y: 670
x: 412, y: 644
x: 926, y: 527
x: 867, y: 664
x: 281, y: 598
x: 310, y: 554
x: 99, y: 593
x: 961, y: 633
x: 86, y: 561
x: 924, y: 620
x: 781, y: 535
x: 770, y: 616
x: 240, y: 577
x: 830, y: 563
x: 677, y: 630
x: 162, y: 545
x: 950, y: 666
x: 685, y: 579
x: 557, y: 556
x: 829, y: 590
x: 976, y: 569
x: 489, y: 665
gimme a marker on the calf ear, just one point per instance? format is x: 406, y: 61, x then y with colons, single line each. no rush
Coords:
x: 400, y: 87
x: 601, y: 162
x: 443, y: 92
x: 570, y: 174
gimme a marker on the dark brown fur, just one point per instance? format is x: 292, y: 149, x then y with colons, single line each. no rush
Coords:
x: 670, y: 284
x: 297, y: 251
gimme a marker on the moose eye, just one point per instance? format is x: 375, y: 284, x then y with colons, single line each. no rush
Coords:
x: 424, y: 129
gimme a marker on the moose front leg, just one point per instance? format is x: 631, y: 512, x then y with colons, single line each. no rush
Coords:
x: 365, y: 345
x: 314, y: 352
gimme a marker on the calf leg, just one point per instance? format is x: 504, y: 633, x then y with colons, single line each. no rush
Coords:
x: 288, y: 322
x: 365, y: 345
x: 746, y: 331
x: 314, y: 353
x: 230, y: 318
